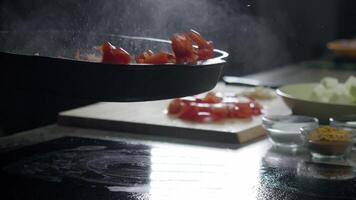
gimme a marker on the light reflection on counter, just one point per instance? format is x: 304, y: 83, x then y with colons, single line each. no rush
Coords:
x: 204, y: 173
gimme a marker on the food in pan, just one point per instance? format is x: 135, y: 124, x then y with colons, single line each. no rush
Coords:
x: 187, y: 47
x: 185, y: 52
x: 330, y: 90
x: 213, y: 107
x: 113, y: 55
x: 328, y: 140
x: 148, y: 57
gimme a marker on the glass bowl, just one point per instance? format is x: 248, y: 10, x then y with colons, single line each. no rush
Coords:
x: 347, y: 122
x: 284, y: 131
x: 327, y: 141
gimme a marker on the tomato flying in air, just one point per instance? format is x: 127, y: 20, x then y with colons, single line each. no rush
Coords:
x: 205, y: 48
x: 182, y: 46
x: 113, y: 55
x: 213, y: 107
x: 185, y: 52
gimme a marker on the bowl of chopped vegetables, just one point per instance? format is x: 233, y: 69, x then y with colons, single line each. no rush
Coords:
x: 328, y: 98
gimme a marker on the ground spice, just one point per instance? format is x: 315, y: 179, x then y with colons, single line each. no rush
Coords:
x: 330, y: 134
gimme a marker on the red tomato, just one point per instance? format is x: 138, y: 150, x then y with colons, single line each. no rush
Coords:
x: 203, y: 112
x: 114, y: 55
x: 197, y: 38
x: 192, y: 113
x: 176, y: 106
x: 159, y: 58
x: 220, y: 110
x: 213, y: 108
x: 212, y: 98
x: 143, y: 56
x: 241, y: 110
x: 182, y: 46
x: 192, y: 100
x: 107, y: 47
x: 205, y: 54
x: 205, y: 48
x: 256, y: 107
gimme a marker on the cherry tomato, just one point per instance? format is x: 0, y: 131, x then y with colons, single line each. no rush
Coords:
x: 256, y: 107
x: 205, y: 54
x: 192, y: 113
x: 211, y: 97
x: 176, y: 106
x: 214, y: 107
x: 159, y: 58
x: 220, y: 110
x: 205, y: 48
x: 182, y: 46
x: 198, y: 39
x: 141, y: 58
x: 241, y: 110
x: 193, y: 100
x: 114, y: 55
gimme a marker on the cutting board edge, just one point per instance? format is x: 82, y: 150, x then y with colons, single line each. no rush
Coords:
x: 246, y: 135
x: 158, y: 130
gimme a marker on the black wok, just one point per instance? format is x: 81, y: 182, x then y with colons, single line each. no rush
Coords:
x: 44, y: 62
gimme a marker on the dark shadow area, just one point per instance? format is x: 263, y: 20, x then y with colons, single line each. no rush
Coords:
x: 259, y: 35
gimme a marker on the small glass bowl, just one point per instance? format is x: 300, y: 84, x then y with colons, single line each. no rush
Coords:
x: 320, y: 147
x: 284, y: 130
x: 347, y: 122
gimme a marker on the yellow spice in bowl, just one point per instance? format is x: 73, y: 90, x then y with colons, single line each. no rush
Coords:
x: 330, y: 134
x: 329, y: 140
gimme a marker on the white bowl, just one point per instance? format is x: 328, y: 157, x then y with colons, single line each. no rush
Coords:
x: 296, y: 96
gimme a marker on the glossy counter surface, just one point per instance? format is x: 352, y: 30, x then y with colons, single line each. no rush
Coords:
x: 94, y: 164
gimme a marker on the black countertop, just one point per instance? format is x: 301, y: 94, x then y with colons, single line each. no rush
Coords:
x: 58, y: 162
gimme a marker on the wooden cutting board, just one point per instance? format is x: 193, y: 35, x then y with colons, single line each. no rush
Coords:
x: 150, y: 118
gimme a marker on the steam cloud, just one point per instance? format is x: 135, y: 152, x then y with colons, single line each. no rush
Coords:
x: 248, y: 39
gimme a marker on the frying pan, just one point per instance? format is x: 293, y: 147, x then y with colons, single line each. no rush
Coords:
x: 43, y: 62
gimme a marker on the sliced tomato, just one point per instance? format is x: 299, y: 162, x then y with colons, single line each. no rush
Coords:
x: 198, y: 39
x: 192, y: 100
x: 113, y: 55
x: 211, y: 97
x: 193, y: 113
x: 203, y: 112
x: 205, y: 48
x: 182, y: 46
x: 256, y: 107
x: 205, y: 54
x: 158, y: 58
x: 240, y: 110
x: 220, y: 110
x: 176, y: 106
x: 143, y: 56
x: 213, y: 107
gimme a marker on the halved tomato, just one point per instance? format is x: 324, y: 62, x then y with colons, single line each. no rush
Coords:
x: 213, y: 107
x: 114, y: 55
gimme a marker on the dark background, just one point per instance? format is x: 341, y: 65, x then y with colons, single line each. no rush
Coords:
x: 258, y: 34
